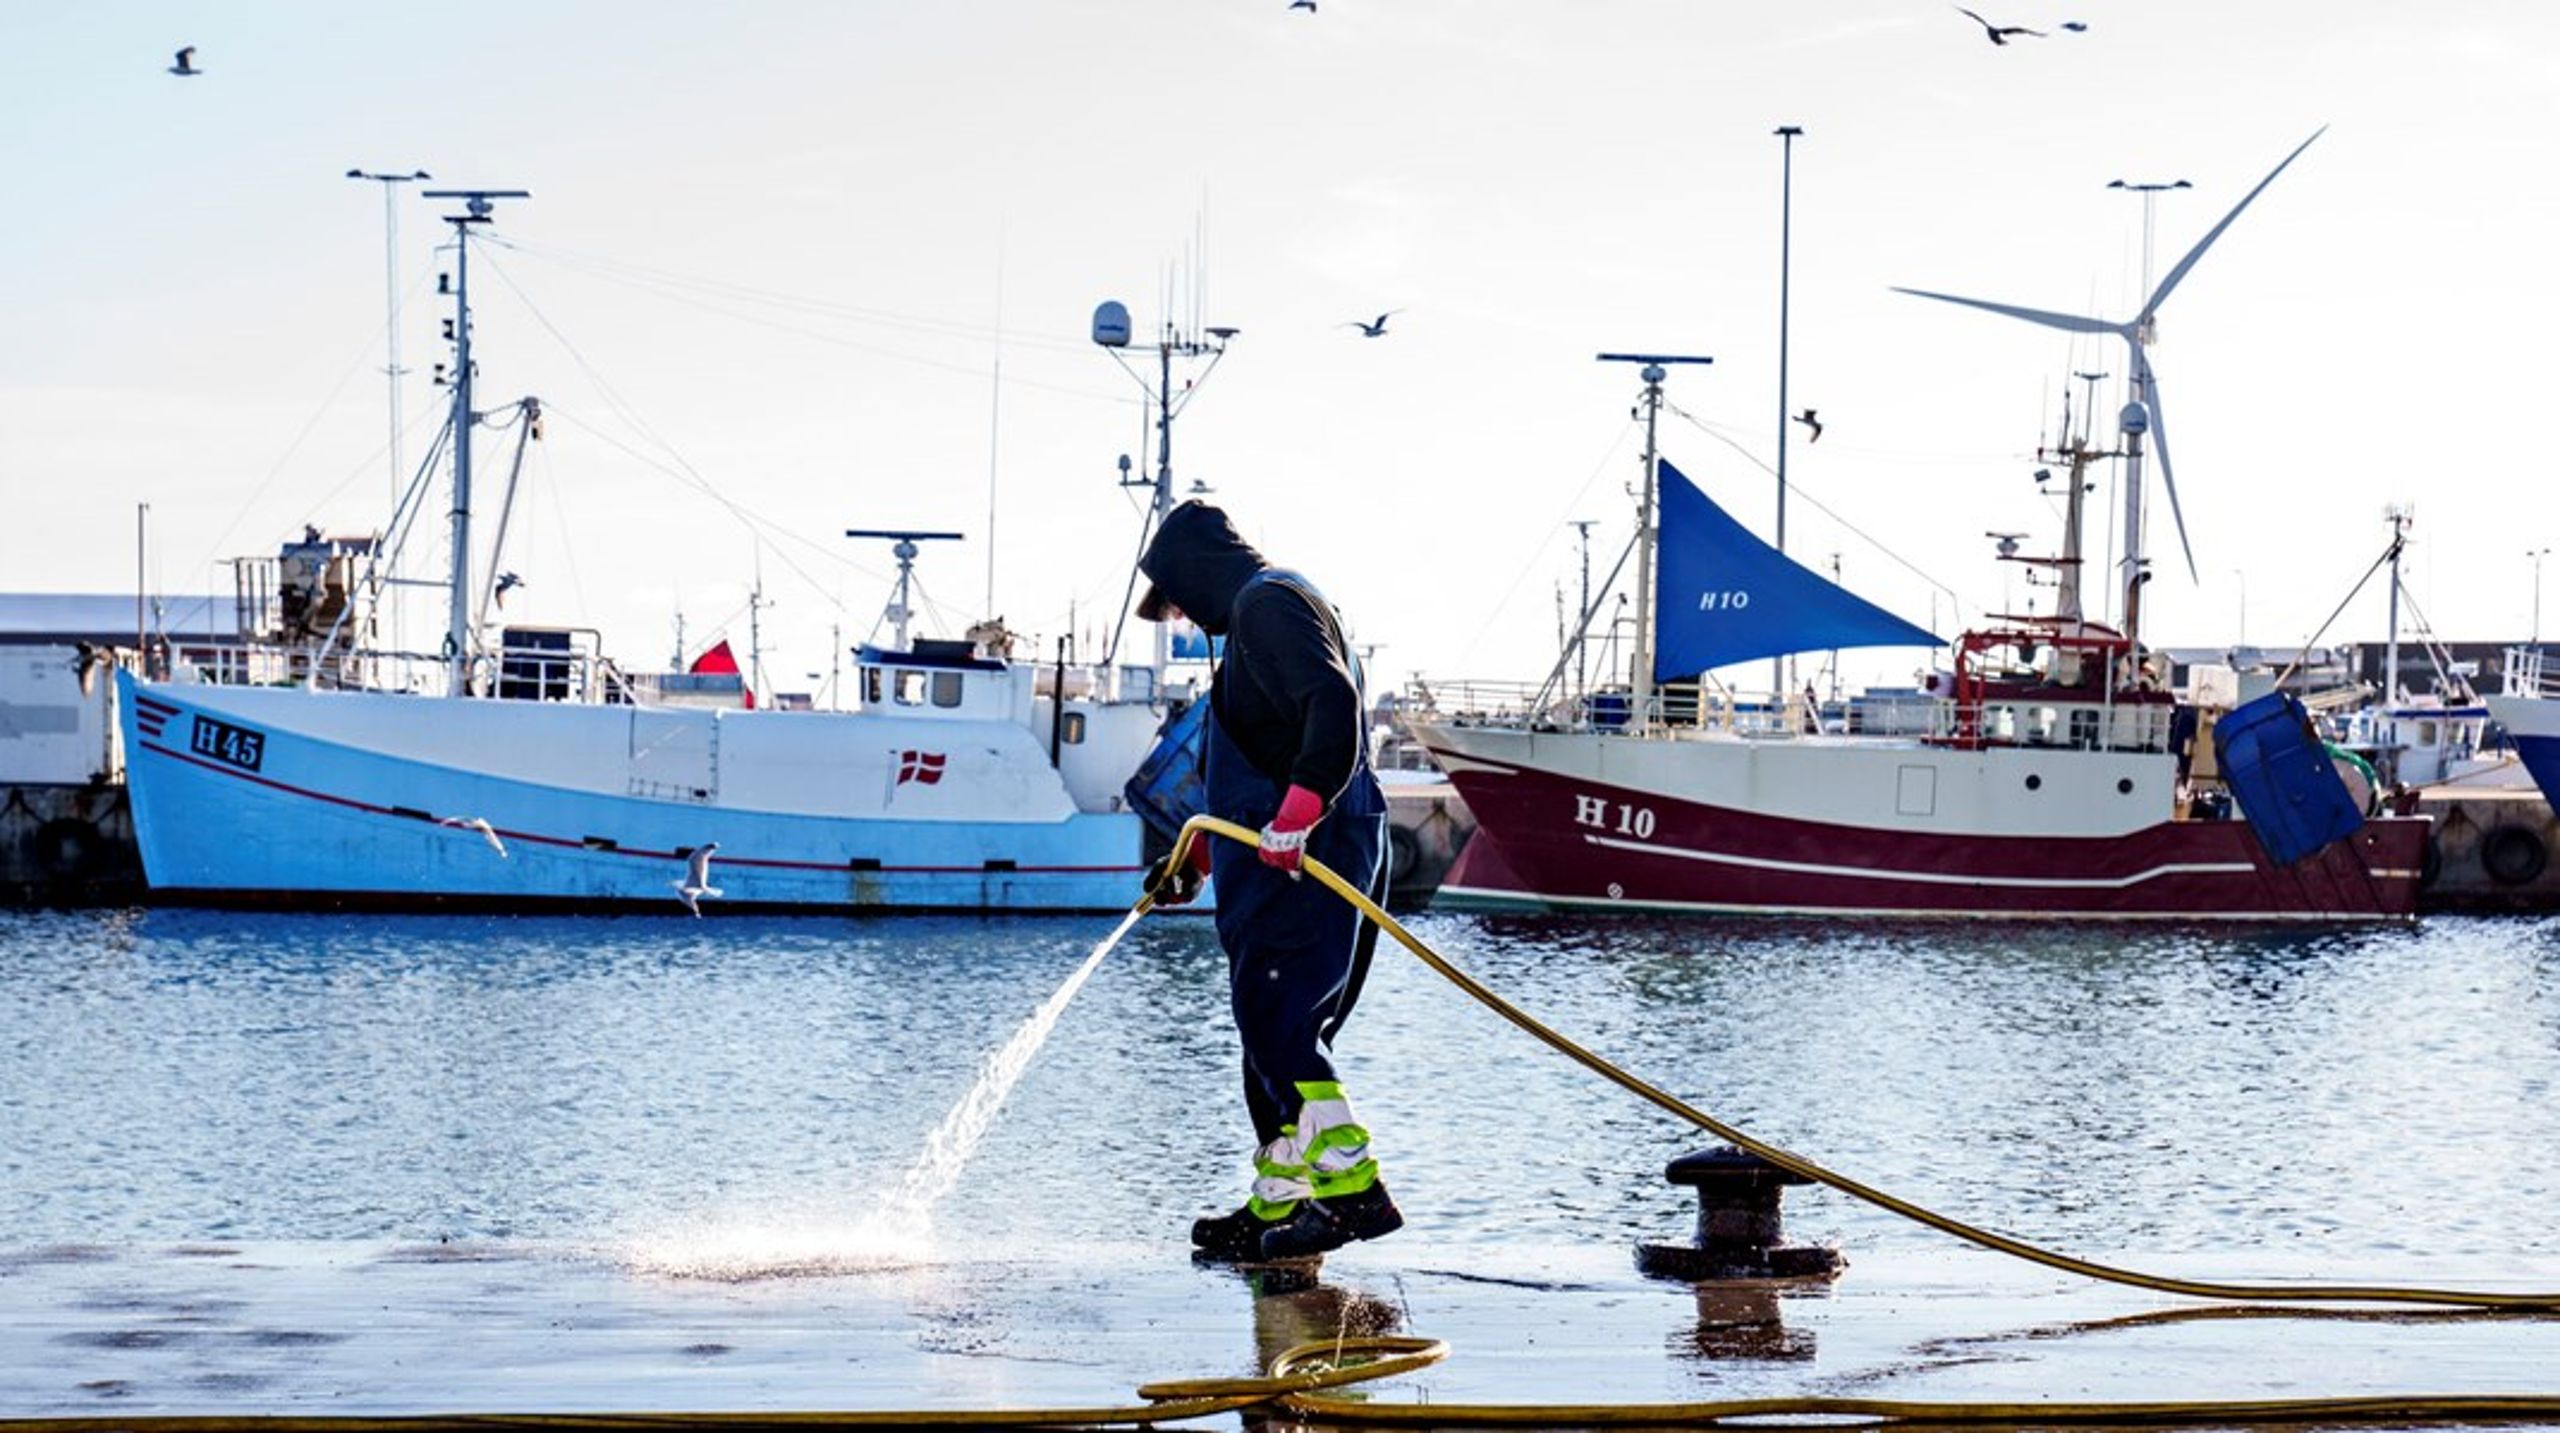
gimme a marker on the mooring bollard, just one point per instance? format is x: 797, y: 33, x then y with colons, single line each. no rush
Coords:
x: 1739, y: 1224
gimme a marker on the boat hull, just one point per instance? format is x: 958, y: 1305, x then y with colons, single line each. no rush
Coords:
x: 2533, y: 724
x: 234, y: 808
x: 1580, y: 822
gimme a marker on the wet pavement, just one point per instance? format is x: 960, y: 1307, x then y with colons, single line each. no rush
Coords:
x: 347, y: 1329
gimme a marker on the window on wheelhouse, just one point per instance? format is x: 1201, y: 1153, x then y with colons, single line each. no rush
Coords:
x: 946, y: 689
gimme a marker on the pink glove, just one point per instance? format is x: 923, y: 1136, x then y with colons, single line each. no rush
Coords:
x: 1284, y: 841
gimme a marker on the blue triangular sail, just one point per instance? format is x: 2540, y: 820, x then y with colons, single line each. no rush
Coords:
x: 1723, y: 596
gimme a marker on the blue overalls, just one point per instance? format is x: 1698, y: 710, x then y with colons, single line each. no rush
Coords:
x: 1296, y: 957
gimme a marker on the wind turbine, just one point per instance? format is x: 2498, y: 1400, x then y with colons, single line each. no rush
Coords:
x: 2143, y: 412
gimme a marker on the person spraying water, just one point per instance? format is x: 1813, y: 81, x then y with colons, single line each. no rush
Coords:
x: 1288, y: 753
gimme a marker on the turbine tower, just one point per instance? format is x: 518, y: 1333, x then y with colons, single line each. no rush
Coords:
x: 2142, y: 413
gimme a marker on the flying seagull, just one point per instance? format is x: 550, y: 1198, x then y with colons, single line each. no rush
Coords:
x: 2075, y: 27
x: 1307, y: 5
x: 1999, y: 33
x: 1375, y: 328
x: 186, y: 64
x: 487, y: 832
x: 697, y: 878
x: 1806, y: 418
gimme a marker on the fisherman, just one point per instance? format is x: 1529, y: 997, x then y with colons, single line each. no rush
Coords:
x: 1288, y: 754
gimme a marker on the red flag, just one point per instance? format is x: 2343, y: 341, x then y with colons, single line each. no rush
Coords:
x: 720, y: 661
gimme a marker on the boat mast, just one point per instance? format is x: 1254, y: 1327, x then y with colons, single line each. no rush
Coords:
x: 476, y: 205
x: 1653, y: 372
x: 904, y: 549
x: 2398, y: 515
x: 1111, y: 332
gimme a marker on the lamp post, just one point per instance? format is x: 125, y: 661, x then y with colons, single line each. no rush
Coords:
x: 1786, y: 134
x: 391, y: 299
x: 2537, y: 554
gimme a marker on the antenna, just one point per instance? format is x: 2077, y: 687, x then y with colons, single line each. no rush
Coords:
x: 1111, y: 331
x: 477, y: 205
x: 905, y: 551
x: 1655, y: 369
x: 2142, y: 413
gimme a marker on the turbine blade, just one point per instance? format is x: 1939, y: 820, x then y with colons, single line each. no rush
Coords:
x: 2160, y: 448
x: 2160, y: 295
x: 2071, y: 321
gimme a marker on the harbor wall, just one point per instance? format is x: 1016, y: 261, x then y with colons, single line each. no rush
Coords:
x: 63, y: 845
x: 2492, y: 850
x: 1427, y: 825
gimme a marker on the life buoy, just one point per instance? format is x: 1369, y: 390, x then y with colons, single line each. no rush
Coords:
x: 2513, y: 855
x: 1404, y: 854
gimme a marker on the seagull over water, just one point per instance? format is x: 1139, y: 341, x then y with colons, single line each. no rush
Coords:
x: 1374, y: 328
x: 487, y: 832
x: 1999, y: 34
x: 186, y: 64
x: 1806, y: 418
x: 697, y: 878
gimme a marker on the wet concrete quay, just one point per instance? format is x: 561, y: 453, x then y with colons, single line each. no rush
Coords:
x: 360, y: 1329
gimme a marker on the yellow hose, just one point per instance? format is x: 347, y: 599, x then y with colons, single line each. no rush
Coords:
x: 1844, y: 1183
x: 1798, y: 1164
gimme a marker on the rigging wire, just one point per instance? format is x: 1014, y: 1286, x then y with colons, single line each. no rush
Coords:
x: 276, y: 469
x: 1520, y: 573
x: 954, y: 328
x: 2309, y: 642
x: 1796, y: 490
x: 947, y: 366
x: 690, y: 474
x: 753, y: 521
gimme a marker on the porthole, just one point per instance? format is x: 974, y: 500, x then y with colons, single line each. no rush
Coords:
x: 2124, y: 786
x: 2035, y: 783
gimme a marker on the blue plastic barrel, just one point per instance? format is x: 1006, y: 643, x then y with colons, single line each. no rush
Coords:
x: 1172, y: 785
x: 2279, y: 770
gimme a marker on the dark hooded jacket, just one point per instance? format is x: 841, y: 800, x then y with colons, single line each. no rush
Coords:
x: 1284, y: 690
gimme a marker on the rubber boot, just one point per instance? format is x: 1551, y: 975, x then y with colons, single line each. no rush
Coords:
x: 1234, y: 1237
x: 1320, y: 1225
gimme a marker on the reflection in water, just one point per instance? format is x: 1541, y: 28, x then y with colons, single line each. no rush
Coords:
x: 1741, y: 1320
x: 1293, y: 1305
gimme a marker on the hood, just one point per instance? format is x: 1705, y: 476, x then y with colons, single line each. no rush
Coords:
x: 1197, y: 563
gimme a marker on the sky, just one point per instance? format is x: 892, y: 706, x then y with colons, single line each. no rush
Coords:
x: 793, y: 268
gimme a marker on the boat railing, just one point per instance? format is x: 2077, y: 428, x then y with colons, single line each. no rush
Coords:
x: 1681, y: 709
x: 2531, y: 672
x: 1672, y: 708
x: 2110, y: 726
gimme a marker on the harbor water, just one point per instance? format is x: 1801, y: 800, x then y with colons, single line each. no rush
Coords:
x: 308, y: 1115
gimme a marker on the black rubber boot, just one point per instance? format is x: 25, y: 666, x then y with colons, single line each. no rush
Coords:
x: 1235, y: 1236
x: 1318, y: 1226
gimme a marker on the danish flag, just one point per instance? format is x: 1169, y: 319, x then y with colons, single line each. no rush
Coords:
x: 922, y: 767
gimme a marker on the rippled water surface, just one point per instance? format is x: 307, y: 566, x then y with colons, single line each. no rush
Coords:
x: 176, y: 1075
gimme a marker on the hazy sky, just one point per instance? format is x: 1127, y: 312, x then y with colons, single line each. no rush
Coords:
x: 782, y: 251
